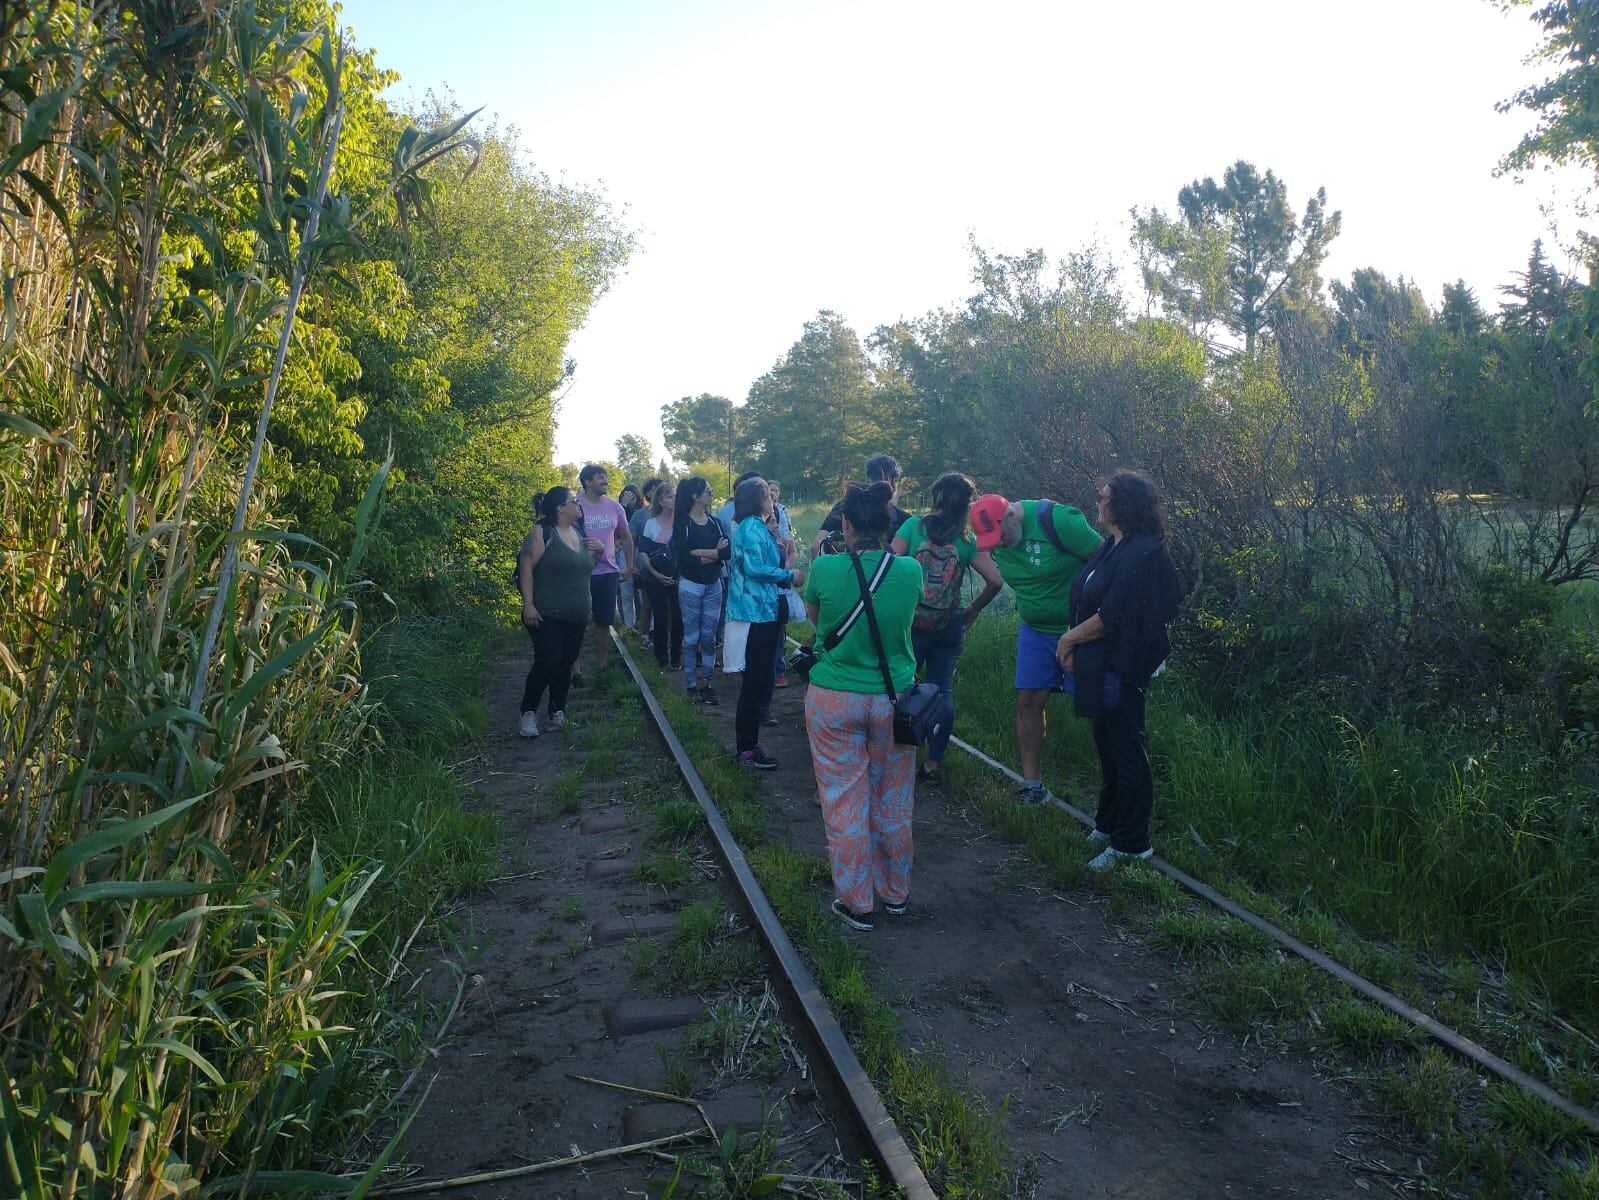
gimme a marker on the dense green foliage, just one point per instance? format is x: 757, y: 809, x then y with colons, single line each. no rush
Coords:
x: 216, y: 829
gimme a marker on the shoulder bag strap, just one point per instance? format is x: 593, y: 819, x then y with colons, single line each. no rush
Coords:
x: 1045, y: 512
x: 871, y: 621
x: 831, y: 641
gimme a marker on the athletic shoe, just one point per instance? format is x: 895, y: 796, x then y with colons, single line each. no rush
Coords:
x: 758, y: 760
x: 1098, y: 837
x: 855, y: 920
x: 529, y: 726
x: 558, y: 719
x: 1032, y: 794
x: 928, y: 774
x: 708, y: 697
x: 1111, y: 857
x: 896, y: 910
x: 782, y: 680
x: 577, y: 677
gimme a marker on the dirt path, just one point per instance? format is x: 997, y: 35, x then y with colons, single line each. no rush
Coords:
x: 1114, y: 1088
x: 541, y: 998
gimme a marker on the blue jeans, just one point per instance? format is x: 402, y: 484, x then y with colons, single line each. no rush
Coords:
x: 938, y: 651
x: 702, y: 606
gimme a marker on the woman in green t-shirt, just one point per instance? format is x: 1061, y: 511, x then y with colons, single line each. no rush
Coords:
x: 944, y: 549
x: 865, y: 778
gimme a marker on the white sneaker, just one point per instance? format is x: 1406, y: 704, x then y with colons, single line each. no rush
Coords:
x: 1110, y: 857
x: 558, y: 719
x: 530, y: 725
x: 1098, y: 837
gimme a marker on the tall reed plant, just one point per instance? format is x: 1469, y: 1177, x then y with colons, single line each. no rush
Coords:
x: 173, y: 967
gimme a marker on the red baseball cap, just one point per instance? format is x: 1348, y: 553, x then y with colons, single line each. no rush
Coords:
x: 987, y: 513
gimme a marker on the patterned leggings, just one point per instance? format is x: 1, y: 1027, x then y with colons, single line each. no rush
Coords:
x: 865, y: 779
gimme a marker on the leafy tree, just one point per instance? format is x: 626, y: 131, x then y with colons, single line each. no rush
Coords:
x: 703, y: 428
x: 1460, y: 311
x: 1236, y: 254
x: 1567, y: 103
x: 816, y: 410
x: 633, y: 454
x: 1537, y: 297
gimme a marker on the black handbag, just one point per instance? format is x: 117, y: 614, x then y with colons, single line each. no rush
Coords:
x: 920, y: 712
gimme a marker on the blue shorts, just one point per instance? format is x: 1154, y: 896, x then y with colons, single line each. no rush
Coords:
x: 1036, y: 666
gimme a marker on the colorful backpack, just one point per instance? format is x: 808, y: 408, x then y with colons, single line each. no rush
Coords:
x: 940, y: 601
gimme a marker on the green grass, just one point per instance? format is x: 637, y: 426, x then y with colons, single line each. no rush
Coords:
x: 742, y: 1040
x: 564, y: 795
x: 399, y: 805
x: 705, y: 952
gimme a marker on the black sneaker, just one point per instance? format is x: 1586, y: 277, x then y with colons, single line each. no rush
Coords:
x: 708, y: 697
x: 757, y: 759
x: 896, y: 910
x: 855, y: 920
x: 928, y: 774
x: 1032, y: 795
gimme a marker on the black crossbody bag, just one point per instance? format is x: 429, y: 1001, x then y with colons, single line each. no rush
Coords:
x: 919, y: 713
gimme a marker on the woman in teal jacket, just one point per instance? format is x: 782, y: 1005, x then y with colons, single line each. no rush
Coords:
x: 755, y: 616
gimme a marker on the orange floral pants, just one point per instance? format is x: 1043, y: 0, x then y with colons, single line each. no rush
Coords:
x: 866, y: 782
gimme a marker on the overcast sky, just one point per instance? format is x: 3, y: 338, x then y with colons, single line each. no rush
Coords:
x: 780, y: 158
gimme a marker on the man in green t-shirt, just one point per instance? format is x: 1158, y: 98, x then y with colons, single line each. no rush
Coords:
x: 1039, y: 546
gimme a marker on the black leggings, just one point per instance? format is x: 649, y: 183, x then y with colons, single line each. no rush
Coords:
x: 666, y: 623
x: 755, y: 692
x: 555, y: 649
x: 1127, y: 790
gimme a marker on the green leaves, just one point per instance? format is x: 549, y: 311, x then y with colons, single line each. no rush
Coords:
x: 37, y: 126
x: 113, y: 837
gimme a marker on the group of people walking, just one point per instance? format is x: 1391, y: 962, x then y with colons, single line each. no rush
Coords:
x: 885, y: 593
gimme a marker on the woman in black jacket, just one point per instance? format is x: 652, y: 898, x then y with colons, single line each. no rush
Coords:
x: 1122, y: 601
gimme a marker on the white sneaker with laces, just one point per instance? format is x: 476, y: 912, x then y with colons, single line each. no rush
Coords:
x: 1098, y: 837
x: 1111, y: 857
x: 530, y: 725
x: 558, y: 719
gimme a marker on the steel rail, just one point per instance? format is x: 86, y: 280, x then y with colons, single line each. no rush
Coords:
x: 1441, y: 1033
x: 888, y: 1146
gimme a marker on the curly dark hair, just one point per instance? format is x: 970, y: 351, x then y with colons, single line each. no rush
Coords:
x: 1134, y: 504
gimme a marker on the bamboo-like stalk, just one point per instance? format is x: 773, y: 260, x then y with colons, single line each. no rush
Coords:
x: 539, y: 1168
x: 296, y: 289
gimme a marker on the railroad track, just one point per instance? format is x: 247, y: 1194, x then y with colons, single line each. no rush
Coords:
x: 865, y: 1105
x: 867, y: 1108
